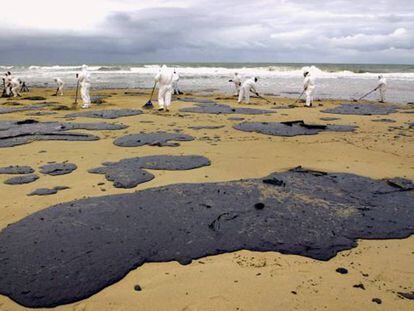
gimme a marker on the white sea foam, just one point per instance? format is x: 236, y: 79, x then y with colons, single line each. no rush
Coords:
x: 333, y: 81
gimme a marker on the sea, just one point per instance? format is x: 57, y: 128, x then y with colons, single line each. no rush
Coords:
x: 334, y: 81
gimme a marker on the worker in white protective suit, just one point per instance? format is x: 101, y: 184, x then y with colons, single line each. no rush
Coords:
x: 164, y: 79
x: 59, y: 84
x: 382, y: 87
x: 308, y: 88
x: 237, y: 82
x: 176, y: 78
x: 247, y: 86
x: 15, y: 84
x: 84, y: 79
x: 7, y: 83
x: 4, y: 87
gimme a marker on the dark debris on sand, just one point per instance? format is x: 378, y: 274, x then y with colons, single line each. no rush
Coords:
x: 291, y: 128
x: 47, y: 191
x: 214, y: 108
x: 20, y: 180
x: 16, y: 170
x: 384, y: 120
x: 361, y: 109
x: 4, y: 110
x: 342, y: 270
x: 183, y: 222
x: 106, y: 114
x: 377, y: 301
x: 409, y: 296
x: 34, y: 98
x: 14, y: 133
x: 206, y: 127
x: 56, y: 169
x: 160, y: 139
x: 129, y: 173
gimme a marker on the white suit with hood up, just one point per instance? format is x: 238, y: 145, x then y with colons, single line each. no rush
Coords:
x: 84, y: 79
x: 382, y: 86
x: 309, y: 87
x: 237, y: 82
x: 60, y: 85
x: 15, y: 85
x: 176, y: 78
x: 164, y: 79
x: 7, y: 83
x: 247, y: 86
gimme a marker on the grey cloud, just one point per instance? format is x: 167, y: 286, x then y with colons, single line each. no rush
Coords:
x: 235, y: 31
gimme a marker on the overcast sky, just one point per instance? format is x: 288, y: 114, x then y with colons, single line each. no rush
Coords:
x: 125, y: 31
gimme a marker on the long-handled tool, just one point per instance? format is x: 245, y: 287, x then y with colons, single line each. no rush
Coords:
x: 148, y: 104
x: 369, y: 93
x: 300, y: 96
x: 75, y: 104
x: 264, y: 98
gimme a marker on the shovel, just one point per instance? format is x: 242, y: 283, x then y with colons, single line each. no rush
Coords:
x: 264, y: 98
x: 149, y: 104
x: 356, y: 100
x: 75, y: 104
x: 300, y: 96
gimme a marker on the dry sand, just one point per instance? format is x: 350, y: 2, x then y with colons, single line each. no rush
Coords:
x: 243, y: 280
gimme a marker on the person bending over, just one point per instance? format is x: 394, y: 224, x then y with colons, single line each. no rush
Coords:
x: 247, y: 86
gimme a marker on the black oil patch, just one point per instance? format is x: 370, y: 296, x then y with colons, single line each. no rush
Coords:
x: 291, y: 128
x: 384, y: 120
x: 41, y: 113
x: 56, y: 169
x: 196, y: 100
x: 361, y: 109
x: 16, y: 170
x: 73, y: 250
x: 20, y: 180
x: 106, y: 114
x: 99, y: 99
x: 409, y: 296
x: 214, y: 108
x: 47, y: 191
x: 14, y: 133
x: 329, y: 119
x: 206, y: 127
x: 160, y: 139
x: 34, y: 98
x: 129, y: 173
x: 4, y: 110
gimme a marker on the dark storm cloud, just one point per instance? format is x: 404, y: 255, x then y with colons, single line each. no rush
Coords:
x: 264, y: 30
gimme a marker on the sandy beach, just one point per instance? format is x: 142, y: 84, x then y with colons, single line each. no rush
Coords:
x: 381, y: 147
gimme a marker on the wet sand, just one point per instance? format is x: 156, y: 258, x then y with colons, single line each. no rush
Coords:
x: 242, y: 280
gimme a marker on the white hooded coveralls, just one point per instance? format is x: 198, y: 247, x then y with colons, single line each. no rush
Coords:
x: 176, y: 78
x: 84, y: 79
x: 247, y: 86
x: 382, y: 86
x: 60, y: 85
x: 14, y: 85
x: 7, y: 83
x: 237, y: 82
x: 309, y: 87
x: 164, y: 79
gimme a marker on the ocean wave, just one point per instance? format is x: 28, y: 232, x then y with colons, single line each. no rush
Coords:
x: 207, y: 72
x: 114, y: 68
